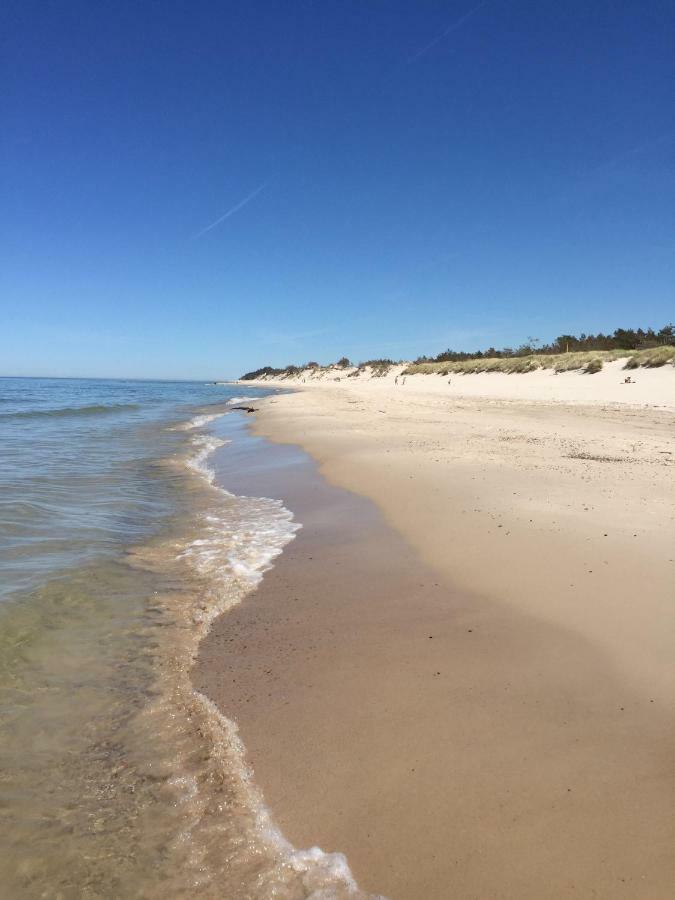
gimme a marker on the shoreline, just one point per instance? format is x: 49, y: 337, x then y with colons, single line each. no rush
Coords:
x: 546, y: 737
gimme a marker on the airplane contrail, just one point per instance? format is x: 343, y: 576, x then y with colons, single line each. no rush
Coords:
x: 453, y: 27
x: 232, y: 211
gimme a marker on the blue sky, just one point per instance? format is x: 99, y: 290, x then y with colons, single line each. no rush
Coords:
x: 395, y: 178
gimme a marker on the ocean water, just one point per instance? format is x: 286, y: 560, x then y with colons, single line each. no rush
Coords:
x: 119, y: 544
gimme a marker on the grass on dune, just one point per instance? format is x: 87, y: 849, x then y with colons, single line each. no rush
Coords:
x: 653, y: 358
x: 588, y: 361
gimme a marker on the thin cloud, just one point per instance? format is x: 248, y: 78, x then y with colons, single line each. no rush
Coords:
x: 232, y: 210
x: 453, y: 27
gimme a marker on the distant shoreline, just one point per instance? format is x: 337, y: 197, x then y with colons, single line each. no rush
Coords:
x: 646, y: 386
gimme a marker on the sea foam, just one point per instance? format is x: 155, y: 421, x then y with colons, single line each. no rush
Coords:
x: 234, y: 400
x: 239, y: 539
x: 199, y: 421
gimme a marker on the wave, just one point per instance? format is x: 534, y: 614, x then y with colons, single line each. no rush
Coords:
x: 67, y: 411
x: 238, y: 541
x: 204, y: 444
x: 199, y: 421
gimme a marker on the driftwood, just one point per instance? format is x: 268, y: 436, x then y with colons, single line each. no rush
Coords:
x: 247, y: 409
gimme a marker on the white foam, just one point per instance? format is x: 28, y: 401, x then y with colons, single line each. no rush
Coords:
x: 311, y: 874
x: 200, y: 421
x: 241, y: 538
x: 240, y: 400
x: 205, y: 444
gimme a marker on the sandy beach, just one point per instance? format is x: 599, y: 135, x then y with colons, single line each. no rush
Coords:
x: 337, y: 451
x: 460, y: 673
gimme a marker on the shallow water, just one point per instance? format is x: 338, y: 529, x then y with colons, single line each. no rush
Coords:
x: 119, y: 545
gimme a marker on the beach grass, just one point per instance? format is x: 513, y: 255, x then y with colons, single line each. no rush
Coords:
x: 588, y: 361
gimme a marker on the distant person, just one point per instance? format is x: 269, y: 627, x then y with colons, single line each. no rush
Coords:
x: 396, y: 380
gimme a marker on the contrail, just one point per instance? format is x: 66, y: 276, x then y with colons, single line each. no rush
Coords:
x: 232, y: 211
x: 448, y: 30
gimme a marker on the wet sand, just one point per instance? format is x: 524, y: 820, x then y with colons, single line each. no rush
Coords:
x: 450, y: 744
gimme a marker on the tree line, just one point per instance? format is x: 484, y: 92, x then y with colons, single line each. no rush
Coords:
x: 619, y: 339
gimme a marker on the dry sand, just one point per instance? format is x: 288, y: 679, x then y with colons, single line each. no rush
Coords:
x: 477, y: 702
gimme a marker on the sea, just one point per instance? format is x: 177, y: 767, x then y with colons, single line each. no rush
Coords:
x: 119, y: 545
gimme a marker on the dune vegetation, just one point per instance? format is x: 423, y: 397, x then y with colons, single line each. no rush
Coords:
x: 588, y: 361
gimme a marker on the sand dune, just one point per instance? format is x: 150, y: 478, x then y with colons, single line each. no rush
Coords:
x: 647, y: 387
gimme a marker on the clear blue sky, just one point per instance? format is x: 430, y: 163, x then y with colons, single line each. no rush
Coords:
x: 400, y: 177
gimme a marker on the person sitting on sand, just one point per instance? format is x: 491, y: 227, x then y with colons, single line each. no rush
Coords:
x: 628, y: 380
